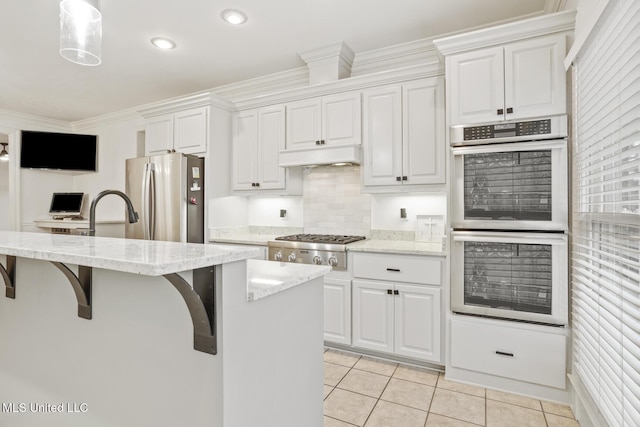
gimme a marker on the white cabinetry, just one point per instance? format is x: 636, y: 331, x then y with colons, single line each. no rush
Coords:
x: 337, y: 310
x: 184, y: 131
x: 404, y: 134
x: 518, y: 80
x: 258, y: 137
x: 330, y: 120
x: 510, y: 350
x: 393, y: 316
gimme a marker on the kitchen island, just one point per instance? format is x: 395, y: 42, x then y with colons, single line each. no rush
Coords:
x: 104, y: 332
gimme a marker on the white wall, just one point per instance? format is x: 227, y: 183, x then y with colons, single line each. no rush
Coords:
x: 265, y: 211
x: 36, y: 190
x: 116, y: 143
x: 385, y: 209
x: 24, y: 198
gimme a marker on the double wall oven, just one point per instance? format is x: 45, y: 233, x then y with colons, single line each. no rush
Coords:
x: 509, y: 214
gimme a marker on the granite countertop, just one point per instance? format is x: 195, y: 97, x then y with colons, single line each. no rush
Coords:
x: 392, y: 242
x: 266, y: 278
x: 407, y: 247
x: 147, y: 257
x: 250, y: 235
x: 245, y: 238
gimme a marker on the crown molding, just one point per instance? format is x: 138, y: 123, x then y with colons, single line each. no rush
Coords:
x: 397, y: 76
x: 393, y: 57
x: 507, y: 33
x: 107, y: 119
x: 201, y: 99
x: 15, y: 120
x: 290, y: 79
x: 338, y: 51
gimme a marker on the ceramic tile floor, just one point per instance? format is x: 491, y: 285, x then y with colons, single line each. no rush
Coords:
x: 364, y: 391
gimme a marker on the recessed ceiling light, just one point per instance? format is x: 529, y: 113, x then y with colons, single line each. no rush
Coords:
x: 162, y: 43
x: 233, y: 16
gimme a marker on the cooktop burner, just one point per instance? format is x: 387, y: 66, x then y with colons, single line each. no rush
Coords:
x: 321, y: 238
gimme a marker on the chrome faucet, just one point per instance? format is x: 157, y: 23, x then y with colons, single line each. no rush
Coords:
x: 133, y: 215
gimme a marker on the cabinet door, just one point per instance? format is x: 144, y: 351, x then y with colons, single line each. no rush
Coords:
x: 382, y: 136
x: 341, y: 119
x: 417, y: 322
x: 159, y: 135
x: 245, y: 138
x: 303, y: 124
x: 337, y: 310
x: 270, y: 142
x: 423, y: 127
x: 475, y: 86
x: 373, y: 315
x: 191, y: 130
x: 535, y: 78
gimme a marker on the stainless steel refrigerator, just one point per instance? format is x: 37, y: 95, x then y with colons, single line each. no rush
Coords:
x: 167, y: 191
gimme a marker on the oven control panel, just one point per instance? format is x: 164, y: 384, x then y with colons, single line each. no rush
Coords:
x: 547, y: 128
x: 508, y: 130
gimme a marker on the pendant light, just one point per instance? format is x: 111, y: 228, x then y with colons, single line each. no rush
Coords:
x: 4, y: 154
x: 81, y: 31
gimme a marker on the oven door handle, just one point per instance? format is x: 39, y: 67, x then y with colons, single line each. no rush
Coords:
x: 509, y: 146
x: 508, y: 237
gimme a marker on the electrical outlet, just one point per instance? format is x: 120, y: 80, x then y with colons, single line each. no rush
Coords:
x: 429, y: 228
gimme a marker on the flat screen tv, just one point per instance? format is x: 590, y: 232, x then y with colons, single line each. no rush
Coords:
x: 59, y: 151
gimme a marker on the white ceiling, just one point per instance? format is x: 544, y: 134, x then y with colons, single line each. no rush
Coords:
x: 35, y: 79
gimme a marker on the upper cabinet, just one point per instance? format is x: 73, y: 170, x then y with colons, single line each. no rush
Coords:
x: 514, y: 81
x: 330, y: 120
x: 185, y: 131
x: 258, y: 137
x: 404, y: 134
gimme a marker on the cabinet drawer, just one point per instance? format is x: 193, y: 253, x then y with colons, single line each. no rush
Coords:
x: 510, y: 352
x: 398, y: 268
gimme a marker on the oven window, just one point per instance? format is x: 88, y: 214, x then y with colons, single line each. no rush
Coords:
x: 508, y: 185
x: 508, y: 276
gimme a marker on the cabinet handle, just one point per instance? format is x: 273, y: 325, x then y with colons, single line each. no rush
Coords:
x: 395, y: 292
x: 500, y: 111
x: 404, y: 178
x: 257, y: 184
x: 503, y: 353
x: 317, y: 142
x: 389, y: 292
x: 398, y: 178
x: 322, y: 142
x: 253, y: 184
x: 396, y: 270
x: 509, y: 110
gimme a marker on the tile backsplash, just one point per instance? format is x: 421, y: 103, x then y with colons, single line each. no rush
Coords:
x: 333, y: 203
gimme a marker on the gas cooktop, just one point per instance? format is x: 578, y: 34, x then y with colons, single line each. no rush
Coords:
x: 321, y: 238
x: 320, y: 249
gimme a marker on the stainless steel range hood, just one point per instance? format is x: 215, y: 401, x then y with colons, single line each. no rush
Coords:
x: 325, y: 155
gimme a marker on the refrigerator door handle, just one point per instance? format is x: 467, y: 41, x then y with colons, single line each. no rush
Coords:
x: 152, y: 202
x: 148, y: 201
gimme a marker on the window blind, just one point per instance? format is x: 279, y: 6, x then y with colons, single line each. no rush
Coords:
x: 605, y: 260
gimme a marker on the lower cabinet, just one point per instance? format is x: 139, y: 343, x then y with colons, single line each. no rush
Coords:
x: 531, y: 353
x: 397, y: 318
x: 337, y: 310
